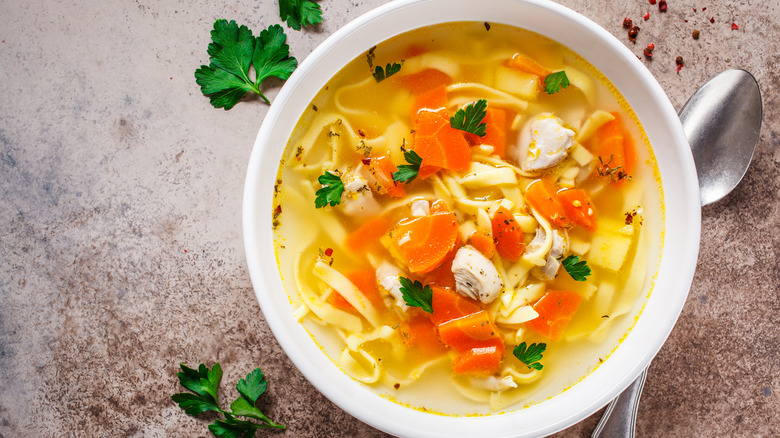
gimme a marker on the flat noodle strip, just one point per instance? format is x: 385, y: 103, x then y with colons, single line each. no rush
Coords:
x: 350, y: 363
x: 467, y: 92
x: 348, y: 290
x: 501, y: 163
x: 414, y: 374
x: 538, y: 257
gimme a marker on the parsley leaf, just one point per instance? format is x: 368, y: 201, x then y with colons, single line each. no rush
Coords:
x: 530, y: 355
x: 231, y: 53
x: 330, y: 193
x: 408, y: 172
x: 470, y: 118
x: 555, y: 81
x: 578, y: 269
x: 381, y: 74
x: 415, y: 295
x: 205, y: 383
x: 299, y: 13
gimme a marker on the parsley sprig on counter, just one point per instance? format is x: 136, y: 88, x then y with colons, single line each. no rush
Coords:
x: 470, y: 118
x: 577, y: 268
x: 204, y: 384
x: 555, y: 81
x: 231, y: 53
x: 415, y: 295
x: 299, y: 13
x: 408, y: 172
x: 530, y: 355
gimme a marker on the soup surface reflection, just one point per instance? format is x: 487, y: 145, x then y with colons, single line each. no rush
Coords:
x: 468, y: 218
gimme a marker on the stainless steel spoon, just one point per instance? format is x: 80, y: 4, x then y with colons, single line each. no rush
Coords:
x: 722, y: 121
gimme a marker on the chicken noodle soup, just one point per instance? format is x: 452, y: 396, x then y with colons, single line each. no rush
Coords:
x: 468, y: 218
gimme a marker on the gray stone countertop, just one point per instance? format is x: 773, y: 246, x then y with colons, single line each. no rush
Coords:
x: 120, y: 231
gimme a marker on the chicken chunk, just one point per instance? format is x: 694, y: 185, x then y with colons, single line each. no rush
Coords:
x: 388, y: 275
x: 358, y: 199
x: 543, y: 143
x: 475, y: 275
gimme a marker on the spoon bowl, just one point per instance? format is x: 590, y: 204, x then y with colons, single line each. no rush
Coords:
x: 722, y: 121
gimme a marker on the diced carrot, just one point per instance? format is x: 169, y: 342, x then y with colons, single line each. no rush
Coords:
x: 615, y: 150
x: 508, y: 235
x: 366, y: 237
x: 438, y: 144
x: 425, y: 80
x: 448, y: 305
x: 483, y: 242
x: 479, y: 361
x: 425, y: 242
x: 556, y: 309
x: 442, y: 275
x: 541, y: 195
x: 470, y: 331
x: 382, y: 169
x: 420, y: 334
x: 629, y: 152
x: 439, y: 206
x: 528, y: 65
x: 433, y: 100
x: 578, y: 207
x: 495, y: 131
x: 339, y: 301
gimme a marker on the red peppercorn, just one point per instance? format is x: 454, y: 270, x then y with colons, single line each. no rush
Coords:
x: 329, y: 252
x: 366, y: 161
x: 679, y: 60
x: 712, y: 19
x: 662, y: 6
x: 627, y: 22
x: 695, y: 34
x: 652, y: 2
x: 647, y: 16
x: 734, y: 26
x: 649, y: 50
x: 703, y: 9
x: 633, y: 32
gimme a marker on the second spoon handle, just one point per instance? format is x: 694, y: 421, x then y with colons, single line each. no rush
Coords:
x: 619, y: 420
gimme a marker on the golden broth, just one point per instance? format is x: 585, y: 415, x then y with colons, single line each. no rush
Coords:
x: 355, y: 119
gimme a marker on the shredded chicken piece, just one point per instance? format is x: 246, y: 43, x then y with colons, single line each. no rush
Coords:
x: 358, y: 199
x: 475, y: 275
x: 387, y: 275
x: 543, y: 143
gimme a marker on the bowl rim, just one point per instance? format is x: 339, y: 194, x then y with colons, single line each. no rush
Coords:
x: 542, y: 418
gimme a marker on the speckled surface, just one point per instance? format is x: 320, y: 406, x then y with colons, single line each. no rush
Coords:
x: 120, y: 237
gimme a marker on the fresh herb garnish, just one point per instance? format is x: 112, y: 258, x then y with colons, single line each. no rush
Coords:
x: 470, y: 118
x: 330, y: 193
x: 232, y: 50
x: 578, y: 269
x: 299, y: 13
x: 415, y: 295
x: 204, y: 383
x: 380, y: 74
x: 408, y: 172
x: 530, y: 355
x: 555, y: 81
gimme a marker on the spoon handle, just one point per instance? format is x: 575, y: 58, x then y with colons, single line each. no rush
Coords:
x: 619, y: 420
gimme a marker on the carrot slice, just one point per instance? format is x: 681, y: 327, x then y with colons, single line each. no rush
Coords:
x: 483, y: 242
x: 541, y: 195
x: 470, y: 331
x: 426, y: 241
x: 433, y: 100
x: 479, y: 361
x: 508, y: 235
x: 556, y: 309
x: 382, y: 169
x: 420, y: 334
x: 615, y: 152
x: 578, y: 207
x: 438, y: 144
x: 425, y: 80
x: 448, y: 305
x: 528, y: 65
x: 495, y: 131
x: 442, y: 275
x: 366, y: 237
x: 365, y: 280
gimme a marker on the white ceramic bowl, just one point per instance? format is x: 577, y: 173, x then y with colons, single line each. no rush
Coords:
x: 681, y: 199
